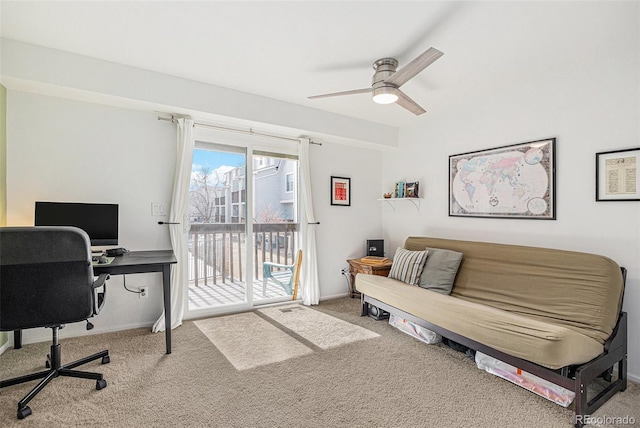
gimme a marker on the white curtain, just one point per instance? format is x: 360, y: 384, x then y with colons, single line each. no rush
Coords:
x: 178, y: 232
x: 310, y: 286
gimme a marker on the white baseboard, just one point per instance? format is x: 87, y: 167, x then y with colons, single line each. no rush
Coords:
x: 633, y: 377
x: 4, y: 347
x: 334, y: 296
x: 38, y: 335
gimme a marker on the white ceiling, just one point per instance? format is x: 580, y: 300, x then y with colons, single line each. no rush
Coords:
x: 291, y: 50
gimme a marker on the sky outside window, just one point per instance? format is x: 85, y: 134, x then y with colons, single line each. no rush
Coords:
x: 216, y: 160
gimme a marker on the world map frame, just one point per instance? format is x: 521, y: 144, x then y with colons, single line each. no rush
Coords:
x: 515, y: 182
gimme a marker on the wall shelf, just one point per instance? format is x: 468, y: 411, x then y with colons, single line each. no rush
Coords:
x: 392, y: 201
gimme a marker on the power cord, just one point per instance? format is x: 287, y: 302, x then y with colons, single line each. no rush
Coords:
x: 345, y: 273
x: 124, y: 283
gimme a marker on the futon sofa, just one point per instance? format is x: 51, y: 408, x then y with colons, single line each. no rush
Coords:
x: 553, y: 313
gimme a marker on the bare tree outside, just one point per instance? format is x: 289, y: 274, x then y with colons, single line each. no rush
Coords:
x: 206, y: 186
x: 271, y: 215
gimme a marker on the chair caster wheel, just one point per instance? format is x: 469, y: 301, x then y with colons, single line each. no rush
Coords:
x: 106, y: 359
x: 101, y: 384
x: 23, y: 412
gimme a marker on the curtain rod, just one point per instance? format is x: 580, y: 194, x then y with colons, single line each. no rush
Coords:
x: 242, y: 131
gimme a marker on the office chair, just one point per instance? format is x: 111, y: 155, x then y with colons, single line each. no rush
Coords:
x: 286, y: 276
x: 46, y: 280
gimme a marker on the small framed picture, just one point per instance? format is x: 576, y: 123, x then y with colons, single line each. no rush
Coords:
x: 340, y: 191
x: 617, y: 175
x: 412, y: 189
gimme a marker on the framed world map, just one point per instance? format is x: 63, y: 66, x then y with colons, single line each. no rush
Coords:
x: 516, y: 181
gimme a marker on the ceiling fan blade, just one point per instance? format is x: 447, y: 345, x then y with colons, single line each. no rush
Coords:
x: 409, y: 104
x: 336, y: 94
x: 423, y: 60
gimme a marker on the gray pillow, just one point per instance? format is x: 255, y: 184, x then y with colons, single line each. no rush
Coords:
x: 440, y: 270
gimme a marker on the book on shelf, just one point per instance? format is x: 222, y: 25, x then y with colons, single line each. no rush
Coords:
x: 400, y: 189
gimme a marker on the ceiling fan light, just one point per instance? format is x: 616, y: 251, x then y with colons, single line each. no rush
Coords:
x: 385, y: 95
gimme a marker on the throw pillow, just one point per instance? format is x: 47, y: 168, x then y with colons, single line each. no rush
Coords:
x: 407, y: 265
x: 440, y: 270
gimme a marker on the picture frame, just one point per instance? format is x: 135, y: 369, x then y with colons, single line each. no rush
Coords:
x: 510, y: 182
x: 617, y: 176
x: 340, y: 191
x: 412, y: 189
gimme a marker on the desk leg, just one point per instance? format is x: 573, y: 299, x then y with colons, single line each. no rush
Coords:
x: 17, y: 339
x: 166, y: 288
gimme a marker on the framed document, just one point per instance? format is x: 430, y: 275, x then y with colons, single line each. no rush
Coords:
x: 341, y: 191
x: 617, y: 175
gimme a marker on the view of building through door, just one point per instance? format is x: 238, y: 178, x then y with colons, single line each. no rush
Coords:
x: 218, y: 239
x: 275, y: 225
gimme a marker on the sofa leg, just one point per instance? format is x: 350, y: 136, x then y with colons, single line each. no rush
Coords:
x: 622, y: 372
x: 580, y: 401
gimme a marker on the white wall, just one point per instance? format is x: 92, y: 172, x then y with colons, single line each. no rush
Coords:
x: 589, y: 110
x: 343, y: 230
x: 62, y: 150
x: 65, y: 150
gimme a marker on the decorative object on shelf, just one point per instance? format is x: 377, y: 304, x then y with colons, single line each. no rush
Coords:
x: 387, y: 195
x: 411, y: 190
x: 515, y: 181
x: 340, y: 191
x: 399, y: 193
x: 617, y: 175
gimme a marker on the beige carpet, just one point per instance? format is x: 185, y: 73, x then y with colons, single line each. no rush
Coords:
x: 389, y: 381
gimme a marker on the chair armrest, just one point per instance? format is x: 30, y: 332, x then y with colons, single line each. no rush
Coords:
x: 98, y: 297
x: 278, y: 265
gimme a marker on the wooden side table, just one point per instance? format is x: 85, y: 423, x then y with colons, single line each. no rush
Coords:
x: 356, y: 266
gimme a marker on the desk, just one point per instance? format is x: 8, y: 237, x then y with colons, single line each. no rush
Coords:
x: 138, y: 262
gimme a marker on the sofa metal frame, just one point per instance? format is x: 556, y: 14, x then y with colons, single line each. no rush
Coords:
x: 575, y: 377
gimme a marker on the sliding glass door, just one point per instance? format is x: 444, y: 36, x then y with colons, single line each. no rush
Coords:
x: 275, y: 228
x: 226, y: 263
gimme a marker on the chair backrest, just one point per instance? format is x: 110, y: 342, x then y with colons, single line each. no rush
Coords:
x: 46, y: 277
x: 296, y: 275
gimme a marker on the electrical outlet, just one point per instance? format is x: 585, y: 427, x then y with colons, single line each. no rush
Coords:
x: 143, y: 292
x: 159, y: 208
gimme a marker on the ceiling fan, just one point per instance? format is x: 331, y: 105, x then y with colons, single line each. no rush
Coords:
x: 386, y: 82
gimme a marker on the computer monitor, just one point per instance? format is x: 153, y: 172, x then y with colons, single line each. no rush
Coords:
x: 100, y: 221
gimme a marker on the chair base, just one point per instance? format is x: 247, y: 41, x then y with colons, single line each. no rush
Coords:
x: 53, y: 360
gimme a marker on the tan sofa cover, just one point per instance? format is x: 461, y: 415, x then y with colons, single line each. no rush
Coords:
x: 551, y: 307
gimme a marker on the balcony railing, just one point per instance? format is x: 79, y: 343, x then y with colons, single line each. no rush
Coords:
x: 217, y: 250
